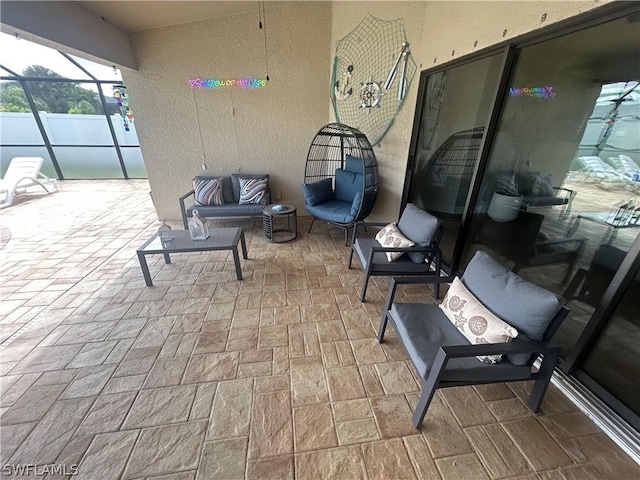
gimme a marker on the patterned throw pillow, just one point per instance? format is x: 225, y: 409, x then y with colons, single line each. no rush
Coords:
x: 253, y: 190
x: 390, y: 236
x: 505, y: 183
x: 542, y: 186
x: 474, y: 320
x: 208, y: 191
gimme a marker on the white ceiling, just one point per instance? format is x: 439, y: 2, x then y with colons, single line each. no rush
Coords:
x: 136, y: 16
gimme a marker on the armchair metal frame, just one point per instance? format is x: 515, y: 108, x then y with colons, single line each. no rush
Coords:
x: 435, y: 377
x: 431, y: 266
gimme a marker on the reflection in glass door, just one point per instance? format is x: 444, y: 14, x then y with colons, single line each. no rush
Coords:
x: 455, y: 110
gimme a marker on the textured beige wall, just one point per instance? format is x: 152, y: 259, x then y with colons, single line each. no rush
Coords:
x: 435, y: 30
x: 269, y: 129
x: 263, y: 130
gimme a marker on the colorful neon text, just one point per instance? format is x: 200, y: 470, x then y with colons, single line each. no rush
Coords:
x: 240, y: 82
x: 537, y: 92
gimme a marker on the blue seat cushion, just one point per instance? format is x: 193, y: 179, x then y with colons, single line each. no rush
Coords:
x: 347, y: 185
x: 522, y: 304
x: 418, y: 226
x: 423, y: 328
x: 332, y: 211
x: 318, y: 192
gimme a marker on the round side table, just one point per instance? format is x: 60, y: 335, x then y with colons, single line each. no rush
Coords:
x: 273, y: 214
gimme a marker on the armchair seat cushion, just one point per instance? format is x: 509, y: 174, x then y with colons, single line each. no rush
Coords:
x: 333, y: 211
x: 402, y: 265
x: 424, y: 328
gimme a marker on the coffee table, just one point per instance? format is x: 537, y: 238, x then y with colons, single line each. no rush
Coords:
x: 219, y: 239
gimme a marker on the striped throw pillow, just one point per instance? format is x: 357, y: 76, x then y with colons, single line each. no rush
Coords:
x: 208, y: 191
x: 253, y: 190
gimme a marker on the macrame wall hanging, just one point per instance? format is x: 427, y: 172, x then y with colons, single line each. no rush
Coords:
x: 372, y: 73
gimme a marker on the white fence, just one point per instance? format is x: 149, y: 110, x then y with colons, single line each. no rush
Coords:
x: 97, y: 161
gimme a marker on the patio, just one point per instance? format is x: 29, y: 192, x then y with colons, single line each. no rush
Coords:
x: 203, y: 376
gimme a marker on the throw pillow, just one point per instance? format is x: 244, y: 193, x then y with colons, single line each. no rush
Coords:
x: 253, y: 190
x: 418, y: 226
x: 208, y: 191
x: 317, y: 192
x: 541, y: 186
x: 347, y: 185
x: 505, y: 183
x: 390, y: 236
x: 474, y: 320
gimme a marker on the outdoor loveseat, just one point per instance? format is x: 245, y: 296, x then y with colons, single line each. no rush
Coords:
x: 237, y: 195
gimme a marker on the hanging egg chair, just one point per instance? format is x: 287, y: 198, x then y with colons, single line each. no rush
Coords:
x: 341, y: 177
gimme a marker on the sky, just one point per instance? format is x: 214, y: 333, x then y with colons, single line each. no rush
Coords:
x: 18, y: 54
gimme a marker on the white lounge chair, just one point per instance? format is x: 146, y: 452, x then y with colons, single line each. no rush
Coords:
x: 22, y: 173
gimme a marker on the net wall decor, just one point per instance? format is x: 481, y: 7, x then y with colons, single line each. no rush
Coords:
x: 372, y: 72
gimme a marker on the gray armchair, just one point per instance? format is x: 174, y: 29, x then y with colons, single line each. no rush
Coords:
x: 444, y: 357
x: 423, y: 258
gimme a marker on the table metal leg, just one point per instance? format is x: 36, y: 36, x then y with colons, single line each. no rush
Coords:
x: 145, y: 269
x: 236, y: 260
x: 243, y: 244
x: 167, y: 258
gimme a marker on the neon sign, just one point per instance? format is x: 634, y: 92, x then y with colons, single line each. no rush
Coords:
x: 239, y: 82
x: 537, y: 92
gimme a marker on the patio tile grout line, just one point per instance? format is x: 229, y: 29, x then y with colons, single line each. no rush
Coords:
x: 31, y: 323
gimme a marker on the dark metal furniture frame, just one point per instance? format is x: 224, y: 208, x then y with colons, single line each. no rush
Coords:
x: 219, y: 239
x: 436, y: 378
x: 402, y: 266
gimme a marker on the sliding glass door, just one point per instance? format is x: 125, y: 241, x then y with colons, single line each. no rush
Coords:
x: 536, y: 159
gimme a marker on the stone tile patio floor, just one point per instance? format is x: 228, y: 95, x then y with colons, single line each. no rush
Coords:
x: 203, y: 376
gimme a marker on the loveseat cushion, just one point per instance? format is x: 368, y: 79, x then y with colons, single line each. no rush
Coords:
x: 496, y: 287
x: 418, y: 226
x: 227, y: 190
x: 235, y: 183
x: 318, y: 192
x: 423, y: 328
x: 347, y: 185
x: 227, y: 210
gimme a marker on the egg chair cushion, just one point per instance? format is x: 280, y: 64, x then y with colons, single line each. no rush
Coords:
x: 317, y: 192
x: 347, y: 185
x: 332, y: 211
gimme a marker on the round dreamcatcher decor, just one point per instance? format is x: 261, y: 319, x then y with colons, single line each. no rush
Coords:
x: 372, y: 73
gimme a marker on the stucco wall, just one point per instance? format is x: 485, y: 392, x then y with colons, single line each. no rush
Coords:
x: 439, y: 32
x: 261, y: 130
x: 269, y: 129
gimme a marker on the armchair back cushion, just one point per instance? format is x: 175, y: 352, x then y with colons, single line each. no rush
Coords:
x: 418, y: 226
x: 353, y: 164
x: 347, y: 185
x: 496, y: 287
x: 318, y: 192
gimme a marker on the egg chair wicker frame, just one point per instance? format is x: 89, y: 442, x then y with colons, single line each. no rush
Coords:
x: 328, y: 152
